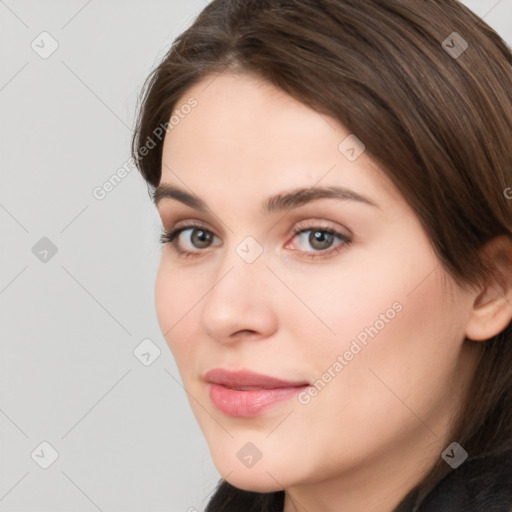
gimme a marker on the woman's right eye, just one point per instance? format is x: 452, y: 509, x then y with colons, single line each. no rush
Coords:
x: 199, y: 238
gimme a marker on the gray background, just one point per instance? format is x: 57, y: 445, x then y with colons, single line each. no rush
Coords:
x: 124, y: 433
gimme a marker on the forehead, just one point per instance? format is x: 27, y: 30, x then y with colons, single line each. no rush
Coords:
x: 245, y: 130
x: 234, y: 108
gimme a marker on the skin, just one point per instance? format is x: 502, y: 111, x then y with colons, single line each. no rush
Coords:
x: 377, y: 427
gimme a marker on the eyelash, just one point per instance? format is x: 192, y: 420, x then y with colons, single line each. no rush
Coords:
x: 172, y: 239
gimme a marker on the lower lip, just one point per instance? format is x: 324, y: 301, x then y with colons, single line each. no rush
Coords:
x: 245, y: 404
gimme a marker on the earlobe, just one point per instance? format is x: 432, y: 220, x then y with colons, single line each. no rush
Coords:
x: 492, y: 307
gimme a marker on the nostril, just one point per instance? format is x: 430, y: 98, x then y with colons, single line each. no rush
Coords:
x: 244, y: 332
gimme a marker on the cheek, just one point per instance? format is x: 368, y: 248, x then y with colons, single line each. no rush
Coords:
x: 385, y: 316
x: 174, y: 299
x: 397, y: 363
x: 178, y: 295
x: 165, y: 300
x: 176, y: 292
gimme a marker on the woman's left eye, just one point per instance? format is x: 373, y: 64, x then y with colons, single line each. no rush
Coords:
x: 320, y: 239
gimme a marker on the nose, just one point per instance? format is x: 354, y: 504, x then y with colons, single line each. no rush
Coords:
x: 239, y: 304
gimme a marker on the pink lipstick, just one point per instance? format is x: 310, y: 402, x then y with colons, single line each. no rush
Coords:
x: 245, y: 394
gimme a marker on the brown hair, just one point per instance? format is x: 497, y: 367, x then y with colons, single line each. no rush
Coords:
x: 439, y: 125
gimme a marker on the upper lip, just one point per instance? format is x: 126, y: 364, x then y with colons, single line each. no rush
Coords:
x: 247, y: 378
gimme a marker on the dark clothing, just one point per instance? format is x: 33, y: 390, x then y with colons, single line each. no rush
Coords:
x: 477, y: 485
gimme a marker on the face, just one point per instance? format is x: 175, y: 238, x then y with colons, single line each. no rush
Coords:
x: 339, y: 297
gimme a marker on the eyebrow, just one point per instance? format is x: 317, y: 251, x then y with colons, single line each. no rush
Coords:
x: 283, y: 201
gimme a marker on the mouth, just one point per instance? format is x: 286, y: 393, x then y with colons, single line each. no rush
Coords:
x: 245, y: 394
x: 246, y: 380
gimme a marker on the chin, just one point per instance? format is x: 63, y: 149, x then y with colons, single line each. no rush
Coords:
x: 247, y: 481
x: 264, y: 477
x: 269, y: 470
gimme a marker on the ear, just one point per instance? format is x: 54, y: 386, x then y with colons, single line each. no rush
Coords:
x: 492, y: 307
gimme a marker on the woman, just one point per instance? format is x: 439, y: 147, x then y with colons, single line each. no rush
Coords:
x: 333, y: 179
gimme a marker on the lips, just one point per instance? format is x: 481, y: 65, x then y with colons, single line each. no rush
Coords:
x: 245, y: 393
x: 246, y: 379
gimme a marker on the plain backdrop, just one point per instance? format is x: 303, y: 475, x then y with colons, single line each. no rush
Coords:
x: 92, y: 412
